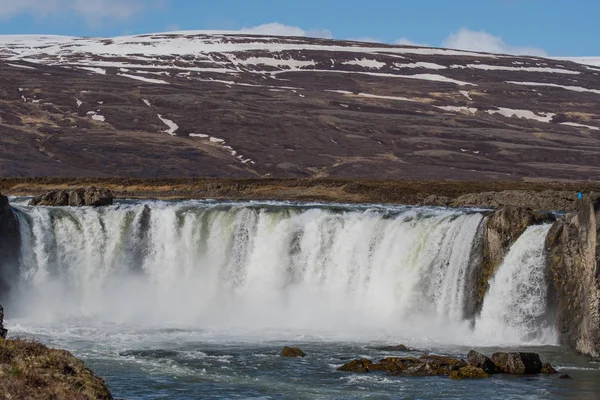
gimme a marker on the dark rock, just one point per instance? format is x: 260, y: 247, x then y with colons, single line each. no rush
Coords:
x: 565, y: 376
x: 97, y: 197
x: 548, y: 369
x: 469, y: 372
x: 478, y: 360
x: 90, y: 196
x: 518, y: 363
x: 361, y: 366
x: 10, y: 245
x: 292, y: 352
x: 556, y: 200
x: 3, y: 331
x: 438, y: 201
x: 398, y: 347
x: 448, y: 363
x: 396, y: 365
x: 502, y: 229
x: 572, y: 247
x: 430, y: 365
x: 423, y: 369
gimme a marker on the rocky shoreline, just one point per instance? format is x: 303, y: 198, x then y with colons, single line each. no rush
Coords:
x: 555, y: 196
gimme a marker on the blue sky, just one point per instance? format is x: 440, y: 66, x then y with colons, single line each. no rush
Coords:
x: 553, y: 27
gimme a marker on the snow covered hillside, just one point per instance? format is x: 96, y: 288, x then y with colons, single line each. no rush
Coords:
x: 225, y: 104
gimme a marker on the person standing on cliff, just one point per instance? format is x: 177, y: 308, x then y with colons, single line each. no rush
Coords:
x: 579, y: 195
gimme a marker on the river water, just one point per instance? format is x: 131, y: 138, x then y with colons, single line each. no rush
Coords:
x: 195, y: 299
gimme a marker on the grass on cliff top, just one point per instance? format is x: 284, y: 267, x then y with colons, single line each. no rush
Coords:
x: 30, y: 370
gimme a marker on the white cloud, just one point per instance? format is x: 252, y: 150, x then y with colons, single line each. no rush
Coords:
x: 466, y: 39
x: 93, y: 11
x: 277, y: 29
x: 407, y: 42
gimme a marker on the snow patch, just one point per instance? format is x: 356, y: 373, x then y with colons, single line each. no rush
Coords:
x: 426, y: 65
x: 143, y: 79
x: 79, y: 103
x: 366, y: 63
x: 278, y: 63
x: 519, y: 69
x: 95, y: 116
x: 146, y: 102
x: 95, y: 70
x: 466, y: 93
x: 508, y: 112
x: 594, y: 128
x: 425, y: 77
x: 20, y: 66
x: 170, y: 124
x: 572, y: 88
x: 199, y: 135
x: 469, y: 110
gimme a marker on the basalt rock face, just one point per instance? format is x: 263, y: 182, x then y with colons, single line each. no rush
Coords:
x: 479, y: 360
x: 518, y: 363
x: 572, y: 248
x: 77, y: 197
x: 556, y: 200
x: 501, y: 230
x: 3, y: 331
x: 10, y: 244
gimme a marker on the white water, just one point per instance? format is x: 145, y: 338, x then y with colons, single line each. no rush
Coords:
x: 515, y: 306
x: 352, y: 273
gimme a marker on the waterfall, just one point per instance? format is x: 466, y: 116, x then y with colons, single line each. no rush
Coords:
x: 401, y: 271
x: 515, y: 308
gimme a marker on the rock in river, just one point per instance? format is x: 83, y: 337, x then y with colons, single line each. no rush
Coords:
x: 518, y: 363
x: 292, y: 352
x: 479, y: 360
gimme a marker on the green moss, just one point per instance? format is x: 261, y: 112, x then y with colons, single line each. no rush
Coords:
x: 30, y: 370
x: 469, y: 372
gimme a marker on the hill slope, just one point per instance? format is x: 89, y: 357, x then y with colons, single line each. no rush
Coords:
x: 231, y: 105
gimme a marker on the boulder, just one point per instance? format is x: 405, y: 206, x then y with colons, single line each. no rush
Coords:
x: 90, y: 196
x: 292, y: 352
x: 548, y: 369
x: 10, y: 245
x: 501, y: 230
x: 396, y: 365
x: 398, y: 347
x: 3, y: 331
x: 478, y: 360
x: 572, y: 247
x: 518, y: 363
x: 360, y: 366
x: 469, y: 372
x: 430, y: 365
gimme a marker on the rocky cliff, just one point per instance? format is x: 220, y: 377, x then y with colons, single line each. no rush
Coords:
x: 572, y: 246
x: 10, y: 244
x: 501, y: 229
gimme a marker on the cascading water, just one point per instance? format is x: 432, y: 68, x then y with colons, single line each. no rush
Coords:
x: 515, y: 308
x: 343, y: 270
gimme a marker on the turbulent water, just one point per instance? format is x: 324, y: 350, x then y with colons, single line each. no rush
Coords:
x: 194, y: 299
